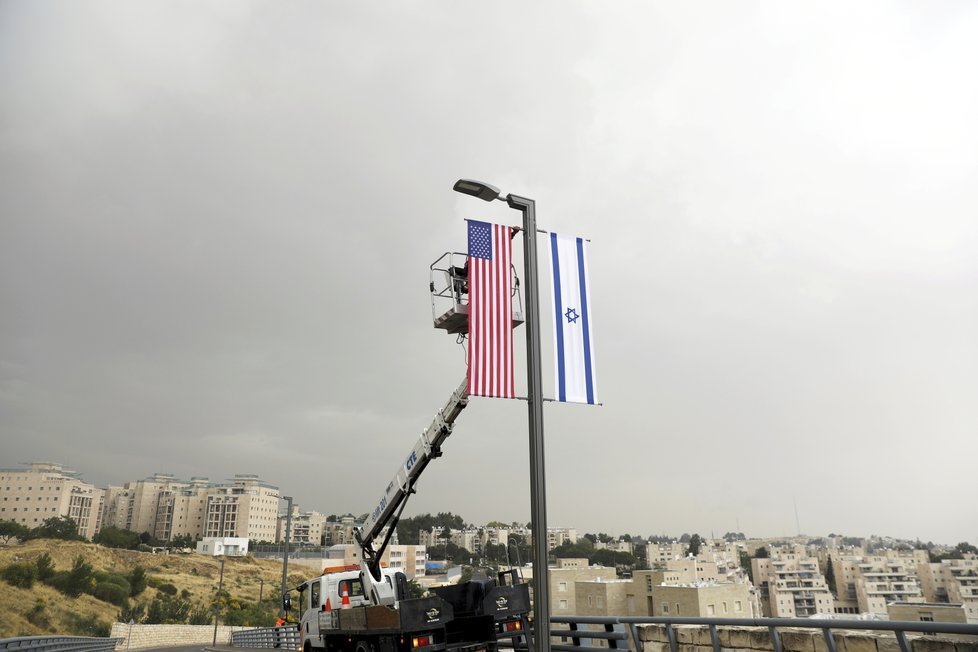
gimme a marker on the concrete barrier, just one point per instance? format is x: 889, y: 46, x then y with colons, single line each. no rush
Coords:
x: 147, y: 636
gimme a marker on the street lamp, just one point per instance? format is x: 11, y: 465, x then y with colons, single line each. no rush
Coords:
x: 538, y: 494
x: 217, y: 603
x: 285, y: 556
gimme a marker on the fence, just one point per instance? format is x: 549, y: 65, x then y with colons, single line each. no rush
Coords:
x: 59, y: 644
x: 578, y: 634
x: 612, y: 630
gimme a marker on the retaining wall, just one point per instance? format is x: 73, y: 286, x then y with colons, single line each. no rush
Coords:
x: 696, y: 638
x: 146, y: 636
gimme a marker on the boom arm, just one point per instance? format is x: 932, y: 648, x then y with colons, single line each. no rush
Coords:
x: 388, y: 510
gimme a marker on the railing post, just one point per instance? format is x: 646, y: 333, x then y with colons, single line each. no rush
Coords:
x: 901, y: 637
x: 829, y: 639
x: 775, y: 638
x: 715, y: 638
x: 671, y: 635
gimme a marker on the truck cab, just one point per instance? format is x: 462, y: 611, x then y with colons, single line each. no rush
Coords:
x: 320, y: 596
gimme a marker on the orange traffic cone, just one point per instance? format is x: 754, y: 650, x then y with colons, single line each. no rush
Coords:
x: 326, y: 607
x: 346, y: 600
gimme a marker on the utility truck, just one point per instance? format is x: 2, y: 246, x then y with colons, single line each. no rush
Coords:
x: 368, y: 609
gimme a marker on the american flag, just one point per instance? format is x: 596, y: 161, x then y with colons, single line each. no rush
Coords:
x: 490, y: 310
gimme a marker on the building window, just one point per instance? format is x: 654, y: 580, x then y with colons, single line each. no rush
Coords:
x: 711, y: 610
x: 738, y: 606
x: 562, y: 586
x: 665, y: 607
x: 563, y: 604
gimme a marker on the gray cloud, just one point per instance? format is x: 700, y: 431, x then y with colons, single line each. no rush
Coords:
x: 216, y: 222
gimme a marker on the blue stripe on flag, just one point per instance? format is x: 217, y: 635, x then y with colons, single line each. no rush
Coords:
x: 558, y: 309
x: 584, y: 318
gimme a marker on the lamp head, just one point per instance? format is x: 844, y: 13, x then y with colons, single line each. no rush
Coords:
x: 483, y: 191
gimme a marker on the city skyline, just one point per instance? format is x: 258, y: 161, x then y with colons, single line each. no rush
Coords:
x: 107, y: 510
x: 217, y: 222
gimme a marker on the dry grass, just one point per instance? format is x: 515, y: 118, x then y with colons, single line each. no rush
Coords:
x: 194, y: 573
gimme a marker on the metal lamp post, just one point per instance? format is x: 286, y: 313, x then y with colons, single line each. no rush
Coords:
x: 217, y: 603
x: 285, y: 556
x: 538, y: 495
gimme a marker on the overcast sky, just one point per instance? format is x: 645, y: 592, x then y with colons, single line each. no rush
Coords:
x: 216, y: 222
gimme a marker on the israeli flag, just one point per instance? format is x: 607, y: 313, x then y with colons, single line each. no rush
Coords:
x: 574, y: 378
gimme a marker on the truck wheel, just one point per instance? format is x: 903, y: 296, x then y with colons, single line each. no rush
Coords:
x: 363, y: 646
x: 307, y: 647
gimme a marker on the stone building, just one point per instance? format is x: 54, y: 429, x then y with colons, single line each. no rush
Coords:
x: 44, y: 490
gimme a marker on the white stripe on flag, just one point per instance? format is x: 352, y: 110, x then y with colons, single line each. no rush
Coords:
x: 490, y: 311
x: 574, y: 375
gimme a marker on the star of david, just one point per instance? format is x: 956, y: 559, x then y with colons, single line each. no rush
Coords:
x: 572, y: 316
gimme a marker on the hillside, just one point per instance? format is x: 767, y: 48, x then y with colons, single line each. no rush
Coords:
x: 195, y: 574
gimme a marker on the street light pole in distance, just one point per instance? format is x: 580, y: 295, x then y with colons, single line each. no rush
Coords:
x: 285, y: 557
x: 538, y: 489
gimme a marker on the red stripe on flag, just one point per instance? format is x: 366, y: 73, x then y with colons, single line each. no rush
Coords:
x: 491, y: 319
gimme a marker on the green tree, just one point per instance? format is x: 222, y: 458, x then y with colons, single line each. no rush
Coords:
x: 113, y: 537
x: 167, y: 610
x: 135, y: 612
x: 44, y: 567
x: 21, y: 575
x: 414, y: 589
x: 830, y: 577
x: 746, y: 565
x: 137, y: 581
x: 182, y: 541
x: 12, y: 530
x: 57, y: 527
x: 76, y: 581
x: 694, y: 545
x: 762, y: 553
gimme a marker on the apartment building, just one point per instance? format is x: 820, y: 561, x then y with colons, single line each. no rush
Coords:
x: 247, y: 507
x: 44, y: 490
x: 727, y: 600
x: 952, y: 581
x: 874, y: 581
x: 618, y: 545
x: 408, y: 559
x: 335, y: 533
x: 559, y: 535
x: 181, y: 510
x: 308, y: 528
x: 660, y: 553
x: 791, y: 584
x: 564, y: 578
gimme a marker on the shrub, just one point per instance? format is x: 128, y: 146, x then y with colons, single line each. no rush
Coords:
x: 44, y: 567
x: 134, y: 612
x: 200, y: 615
x: 37, y: 616
x: 137, y: 581
x: 103, y: 577
x: 166, y: 610
x: 87, y: 625
x: 112, y: 593
x: 20, y: 575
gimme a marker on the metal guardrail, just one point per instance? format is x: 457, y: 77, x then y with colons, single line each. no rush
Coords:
x: 60, y: 644
x: 620, y: 633
x: 616, y: 631
x: 286, y: 637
